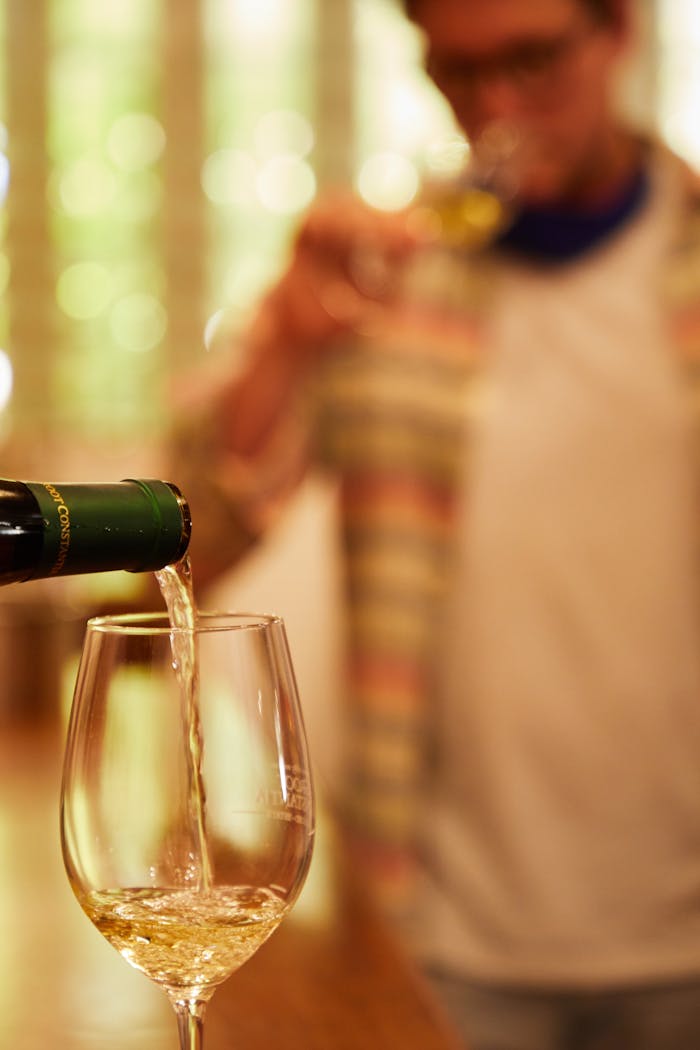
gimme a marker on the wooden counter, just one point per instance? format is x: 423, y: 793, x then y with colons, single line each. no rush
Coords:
x: 331, y: 978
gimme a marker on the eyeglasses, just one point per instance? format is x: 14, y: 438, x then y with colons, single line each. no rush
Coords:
x: 529, y: 67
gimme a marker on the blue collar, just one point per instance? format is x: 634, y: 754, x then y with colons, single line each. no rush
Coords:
x: 552, y: 235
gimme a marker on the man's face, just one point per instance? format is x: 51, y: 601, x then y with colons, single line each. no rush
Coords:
x: 545, y: 66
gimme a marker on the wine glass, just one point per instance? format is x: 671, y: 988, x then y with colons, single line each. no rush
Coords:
x: 187, y: 816
x: 471, y: 187
x: 468, y: 197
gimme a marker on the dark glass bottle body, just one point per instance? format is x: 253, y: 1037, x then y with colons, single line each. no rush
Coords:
x: 53, y: 529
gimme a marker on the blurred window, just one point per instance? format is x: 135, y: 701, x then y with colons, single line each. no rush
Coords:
x: 257, y: 172
x: 678, y: 75
x: 151, y: 178
x: 400, y: 114
x: 105, y: 141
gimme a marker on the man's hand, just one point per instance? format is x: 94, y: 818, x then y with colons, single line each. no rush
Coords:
x: 343, y: 265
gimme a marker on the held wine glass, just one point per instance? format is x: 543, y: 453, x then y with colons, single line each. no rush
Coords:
x: 467, y: 198
x: 187, y: 817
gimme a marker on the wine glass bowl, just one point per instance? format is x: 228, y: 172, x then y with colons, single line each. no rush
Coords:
x: 467, y: 199
x: 471, y: 187
x: 187, y: 816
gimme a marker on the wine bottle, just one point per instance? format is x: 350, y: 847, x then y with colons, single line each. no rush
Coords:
x: 67, y: 529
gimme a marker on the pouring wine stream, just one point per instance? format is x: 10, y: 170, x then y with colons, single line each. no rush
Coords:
x: 175, y: 582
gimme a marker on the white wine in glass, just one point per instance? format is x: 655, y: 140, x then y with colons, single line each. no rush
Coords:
x: 470, y: 188
x: 468, y: 198
x: 187, y: 815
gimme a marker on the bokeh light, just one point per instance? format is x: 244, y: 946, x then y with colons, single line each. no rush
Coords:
x: 412, y: 113
x: 144, y: 274
x: 283, y: 132
x: 228, y: 178
x: 446, y: 158
x: 388, y: 181
x: 87, y: 187
x: 257, y: 23
x: 135, y: 141
x: 139, y: 198
x: 138, y: 322
x: 286, y: 185
x: 83, y: 290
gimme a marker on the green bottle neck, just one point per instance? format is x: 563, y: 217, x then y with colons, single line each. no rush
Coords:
x: 137, y: 525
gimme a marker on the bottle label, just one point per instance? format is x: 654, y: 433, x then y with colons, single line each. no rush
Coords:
x: 135, y: 525
x: 61, y: 534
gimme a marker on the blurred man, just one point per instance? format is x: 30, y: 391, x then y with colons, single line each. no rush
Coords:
x: 513, y: 436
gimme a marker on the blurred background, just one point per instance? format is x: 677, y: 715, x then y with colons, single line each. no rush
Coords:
x: 155, y: 157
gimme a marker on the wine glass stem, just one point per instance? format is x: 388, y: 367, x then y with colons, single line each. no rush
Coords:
x: 190, y: 1024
